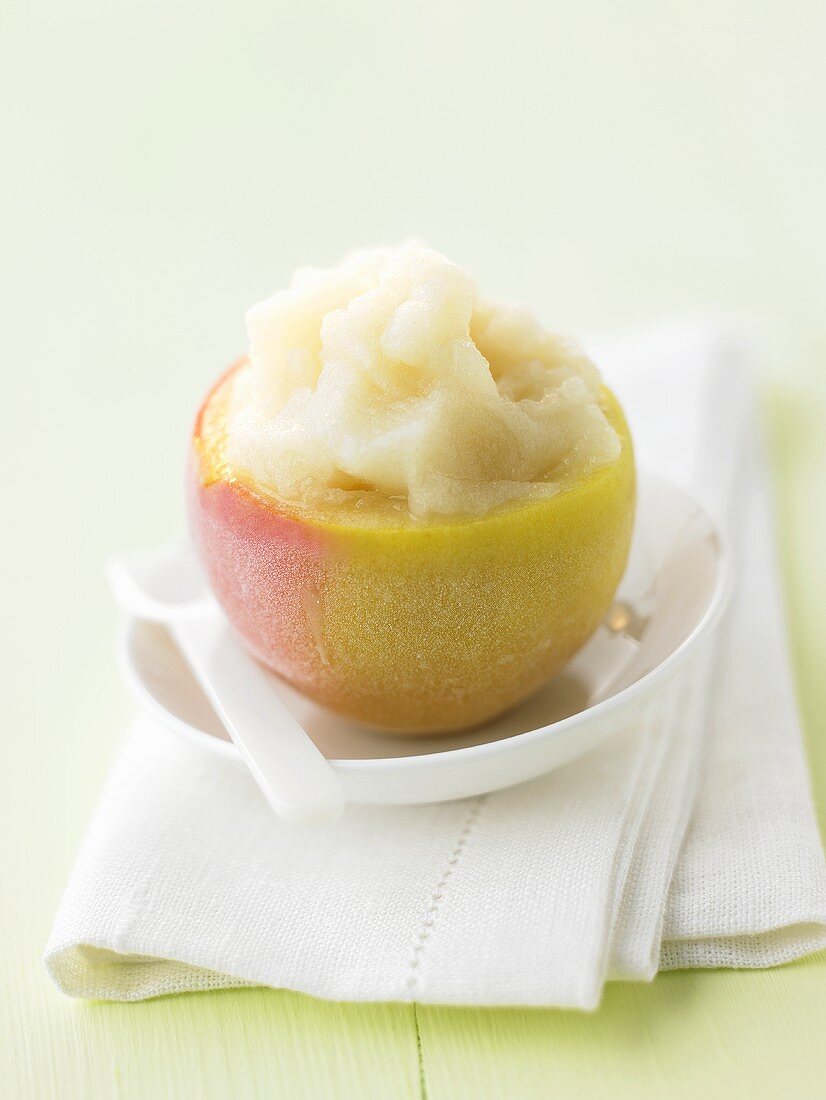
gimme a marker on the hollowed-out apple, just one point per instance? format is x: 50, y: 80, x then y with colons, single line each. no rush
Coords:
x: 405, y: 624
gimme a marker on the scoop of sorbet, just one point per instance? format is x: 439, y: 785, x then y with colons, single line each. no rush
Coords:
x: 388, y: 377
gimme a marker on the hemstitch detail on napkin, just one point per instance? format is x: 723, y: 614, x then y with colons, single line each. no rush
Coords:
x: 435, y: 900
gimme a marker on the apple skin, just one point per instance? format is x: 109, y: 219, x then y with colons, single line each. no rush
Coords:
x: 411, y: 627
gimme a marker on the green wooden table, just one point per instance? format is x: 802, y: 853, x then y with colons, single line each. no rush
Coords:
x: 167, y: 165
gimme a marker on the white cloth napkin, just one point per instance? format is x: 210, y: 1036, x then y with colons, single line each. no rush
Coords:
x: 689, y: 841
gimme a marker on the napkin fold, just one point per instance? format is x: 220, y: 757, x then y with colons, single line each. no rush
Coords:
x: 687, y: 840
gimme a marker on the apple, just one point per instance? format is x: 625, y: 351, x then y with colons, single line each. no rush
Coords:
x: 409, y: 625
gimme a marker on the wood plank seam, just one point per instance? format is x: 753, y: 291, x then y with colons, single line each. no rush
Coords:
x: 420, y: 1053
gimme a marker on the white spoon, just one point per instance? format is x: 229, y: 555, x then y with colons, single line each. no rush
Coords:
x: 168, y: 587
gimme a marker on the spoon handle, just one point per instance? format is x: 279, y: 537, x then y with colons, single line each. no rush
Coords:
x: 295, y: 777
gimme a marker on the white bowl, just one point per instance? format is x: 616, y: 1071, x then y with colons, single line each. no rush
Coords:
x: 665, y: 612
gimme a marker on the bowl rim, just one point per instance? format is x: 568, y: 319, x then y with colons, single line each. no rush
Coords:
x: 504, y: 746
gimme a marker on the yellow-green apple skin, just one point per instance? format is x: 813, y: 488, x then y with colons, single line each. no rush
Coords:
x: 408, y: 625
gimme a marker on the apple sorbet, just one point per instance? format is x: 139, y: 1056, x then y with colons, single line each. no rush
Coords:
x: 390, y: 378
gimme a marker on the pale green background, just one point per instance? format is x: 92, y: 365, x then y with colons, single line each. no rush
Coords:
x: 165, y: 165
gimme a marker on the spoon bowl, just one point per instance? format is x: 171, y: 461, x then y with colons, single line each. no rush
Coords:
x: 663, y: 620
